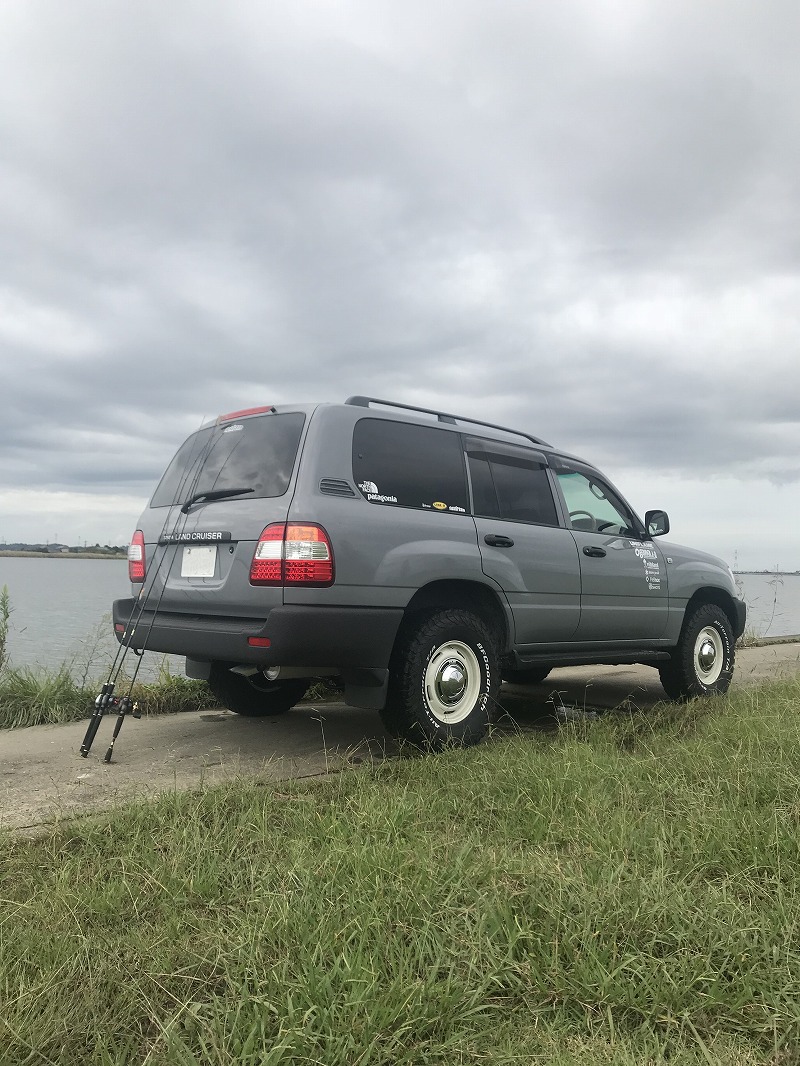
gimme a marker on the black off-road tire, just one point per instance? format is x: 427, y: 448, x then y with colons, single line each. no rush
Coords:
x: 255, y: 697
x: 702, y: 662
x: 443, y: 681
x: 534, y: 676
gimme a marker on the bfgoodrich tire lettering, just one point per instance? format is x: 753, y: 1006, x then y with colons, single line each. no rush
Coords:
x: 443, y: 681
x: 255, y: 697
x: 702, y: 663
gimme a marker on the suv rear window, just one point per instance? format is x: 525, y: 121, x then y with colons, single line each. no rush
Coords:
x: 408, y: 465
x: 256, y: 452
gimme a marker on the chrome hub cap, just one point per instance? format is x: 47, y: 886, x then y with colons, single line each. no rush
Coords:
x: 709, y: 655
x: 452, y: 682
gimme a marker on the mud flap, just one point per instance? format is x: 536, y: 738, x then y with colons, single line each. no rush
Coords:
x: 365, y: 688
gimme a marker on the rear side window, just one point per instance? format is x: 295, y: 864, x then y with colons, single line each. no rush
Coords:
x: 257, y: 453
x: 510, y: 488
x: 406, y: 465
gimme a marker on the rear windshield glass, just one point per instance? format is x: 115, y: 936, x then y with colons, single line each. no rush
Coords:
x: 257, y: 453
x: 408, y: 465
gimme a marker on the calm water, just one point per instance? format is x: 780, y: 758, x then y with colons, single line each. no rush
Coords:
x: 773, y: 603
x: 61, y: 610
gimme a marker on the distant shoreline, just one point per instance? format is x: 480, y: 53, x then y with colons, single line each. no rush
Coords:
x: 60, y: 555
x: 767, y: 573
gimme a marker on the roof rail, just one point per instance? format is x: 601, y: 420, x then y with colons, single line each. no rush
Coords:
x: 365, y: 401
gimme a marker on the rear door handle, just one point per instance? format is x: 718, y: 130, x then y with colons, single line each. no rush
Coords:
x: 596, y: 553
x: 496, y: 541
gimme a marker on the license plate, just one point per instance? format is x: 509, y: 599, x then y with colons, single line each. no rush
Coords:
x: 199, y: 562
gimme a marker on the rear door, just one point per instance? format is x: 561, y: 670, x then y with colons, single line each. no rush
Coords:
x: 199, y: 553
x: 523, y: 547
x: 623, y: 577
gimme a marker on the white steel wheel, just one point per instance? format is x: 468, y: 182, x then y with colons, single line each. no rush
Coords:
x: 452, y: 682
x: 709, y: 655
x: 701, y: 663
x: 444, y: 676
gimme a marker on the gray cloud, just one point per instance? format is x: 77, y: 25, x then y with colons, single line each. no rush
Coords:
x: 578, y: 219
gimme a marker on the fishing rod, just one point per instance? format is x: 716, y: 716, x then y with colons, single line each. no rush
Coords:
x: 106, y: 700
x: 126, y: 704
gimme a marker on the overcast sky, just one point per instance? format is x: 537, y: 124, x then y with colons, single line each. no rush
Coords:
x: 580, y: 218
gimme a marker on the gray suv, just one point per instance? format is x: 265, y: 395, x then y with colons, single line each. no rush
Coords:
x: 417, y: 556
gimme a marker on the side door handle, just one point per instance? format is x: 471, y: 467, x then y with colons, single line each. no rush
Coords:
x: 496, y: 541
x: 595, y: 553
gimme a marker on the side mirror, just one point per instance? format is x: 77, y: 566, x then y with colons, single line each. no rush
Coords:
x: 656, y: 523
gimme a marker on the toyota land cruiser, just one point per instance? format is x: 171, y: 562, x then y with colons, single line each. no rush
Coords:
x: 417, y: 556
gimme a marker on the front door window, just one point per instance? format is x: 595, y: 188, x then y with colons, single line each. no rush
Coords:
x: 623, y: 576
x: 593, y: 507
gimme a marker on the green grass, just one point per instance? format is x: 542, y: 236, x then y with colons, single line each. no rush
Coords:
x: 39, y: 697
x: 5, y: 623
x: 67, y: 693
x: 624, y: 891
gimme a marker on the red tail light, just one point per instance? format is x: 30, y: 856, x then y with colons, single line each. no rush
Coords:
x: 137, y: 563
x: 293, y: 554
x: 245, y: 413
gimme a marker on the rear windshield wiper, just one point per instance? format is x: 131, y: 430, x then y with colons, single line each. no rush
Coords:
x: 213, y: 494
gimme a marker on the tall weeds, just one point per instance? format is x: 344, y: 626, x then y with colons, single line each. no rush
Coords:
x: 67, y: 692
x: 5, y: 619
x: 30, y: 697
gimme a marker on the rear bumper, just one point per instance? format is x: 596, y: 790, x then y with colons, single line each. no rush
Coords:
x: 344, y: 637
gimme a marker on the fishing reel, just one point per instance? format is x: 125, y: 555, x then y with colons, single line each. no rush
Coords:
x: 107, y: 702
x: 121, y: 704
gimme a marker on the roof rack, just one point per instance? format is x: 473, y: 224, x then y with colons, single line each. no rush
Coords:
x: 365, y: 401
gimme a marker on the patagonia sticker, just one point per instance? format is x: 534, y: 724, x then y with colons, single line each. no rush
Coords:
x: 370, y: 490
